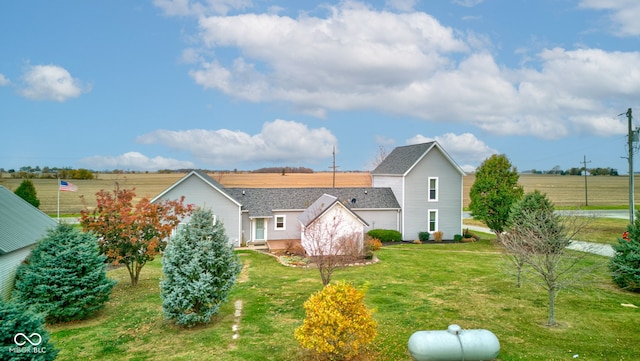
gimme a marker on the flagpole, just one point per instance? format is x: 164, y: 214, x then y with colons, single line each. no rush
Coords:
x: 58, y: 198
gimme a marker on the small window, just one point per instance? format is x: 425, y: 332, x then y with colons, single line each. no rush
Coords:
x: 433, y: 189
x: 280, y: 222
x: 433, y: 220
x: 178, y: 228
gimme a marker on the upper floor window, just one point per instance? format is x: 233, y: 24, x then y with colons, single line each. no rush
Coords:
x: 280, y: 222
x: 433, y: 189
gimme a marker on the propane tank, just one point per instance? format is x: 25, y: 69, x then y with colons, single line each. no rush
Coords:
x: 454, y: 344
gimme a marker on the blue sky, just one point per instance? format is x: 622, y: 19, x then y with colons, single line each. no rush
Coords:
x: 224, y: 84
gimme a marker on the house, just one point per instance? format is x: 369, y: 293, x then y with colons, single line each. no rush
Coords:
x: 416, y: 188
x: 21, y: 227
x: 427, y: 183
x: 270, y: 215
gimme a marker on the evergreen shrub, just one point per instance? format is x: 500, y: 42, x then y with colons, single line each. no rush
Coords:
x: 625, y: 264
x: 200, y: 268
x: 64, y: 277
x: 385, y: 235
x: 22, y: 334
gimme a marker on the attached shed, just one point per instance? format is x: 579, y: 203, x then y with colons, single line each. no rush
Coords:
x: 328, y: 227
x: 21, y: 227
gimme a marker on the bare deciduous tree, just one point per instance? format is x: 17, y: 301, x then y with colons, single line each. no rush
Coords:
x: 539, y: 240
x: 331, y: 241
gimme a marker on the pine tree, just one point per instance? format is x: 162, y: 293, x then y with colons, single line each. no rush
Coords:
x: 22, y: 334
x: 64, y: 277
x: 27, y: 191
x: 200, y: 268
x: 625, y: 264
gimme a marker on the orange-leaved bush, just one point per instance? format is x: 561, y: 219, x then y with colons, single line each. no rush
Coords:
x: 337, y: 324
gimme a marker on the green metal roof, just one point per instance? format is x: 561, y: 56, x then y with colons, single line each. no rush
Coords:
x: 21, y: 224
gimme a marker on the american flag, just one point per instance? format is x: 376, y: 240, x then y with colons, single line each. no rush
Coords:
x: 67, y: 186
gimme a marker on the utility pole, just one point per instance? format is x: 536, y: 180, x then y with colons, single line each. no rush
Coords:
x: 334, y: 166
x: 584, y: 167
x: 631, y: 174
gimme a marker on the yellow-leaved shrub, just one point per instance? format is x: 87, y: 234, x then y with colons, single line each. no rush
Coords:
x: 337, y: 324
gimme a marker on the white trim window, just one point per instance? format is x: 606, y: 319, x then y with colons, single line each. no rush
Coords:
x: 280, y: 223
x: 433, y: 220
x: 433, y: 189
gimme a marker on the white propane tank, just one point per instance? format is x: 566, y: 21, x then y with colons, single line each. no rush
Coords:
x: 454, y: 344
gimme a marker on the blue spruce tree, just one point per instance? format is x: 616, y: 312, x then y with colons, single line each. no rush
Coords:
x: 22, y: 334
x: 64, y: 277
x: 625, y: 264
x: 200, y: 268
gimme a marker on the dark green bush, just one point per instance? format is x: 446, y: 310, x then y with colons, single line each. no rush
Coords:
x: 385, y: 235
x: 457, y: 237
x: 424, y: 236
x: 19, y: 323
x: 625, y: 264
x: 64, y: 277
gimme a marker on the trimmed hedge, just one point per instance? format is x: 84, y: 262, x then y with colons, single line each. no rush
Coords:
x: 424, y: 236
x: 385, y: 235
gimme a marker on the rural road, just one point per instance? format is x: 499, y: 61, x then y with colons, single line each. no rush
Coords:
x: 596, y: 248
x: 598, y: 213
x: 591, y: 247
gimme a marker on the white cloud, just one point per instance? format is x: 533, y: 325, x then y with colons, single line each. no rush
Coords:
x: 278, y: 141
x: 135, y: 161
x: 3, y: 80
x: 465, y: 149
x: 409, y: 64
x: 623, y: 14
x: 51, y: 82
x: 348, y: 60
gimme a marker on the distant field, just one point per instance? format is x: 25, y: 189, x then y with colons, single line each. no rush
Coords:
x: 570, y: 190
x: 563, y: 190
x: 150, y: 185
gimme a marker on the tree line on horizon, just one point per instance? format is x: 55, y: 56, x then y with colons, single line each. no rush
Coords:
x: 578, y: 171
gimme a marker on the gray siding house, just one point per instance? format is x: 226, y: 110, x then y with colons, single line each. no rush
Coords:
x: 21, y: 227
x: 427, y: 183
x: 416, y: 188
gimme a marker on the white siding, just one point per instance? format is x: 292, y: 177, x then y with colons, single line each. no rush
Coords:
x: 292, y: 226
x: 393, y: 182
x: 334, y: 224
x: 8, y: 265
x: 380, y: 219
x: 449, y: 204
x: 201, y: 194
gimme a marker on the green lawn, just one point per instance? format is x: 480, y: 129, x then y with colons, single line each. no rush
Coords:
x: 413, y: 287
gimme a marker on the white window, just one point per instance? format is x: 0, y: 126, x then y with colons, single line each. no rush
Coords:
x: 280, y: 222
x: 433, y: 189
x: 433, y: 220
x: 178, y: 228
